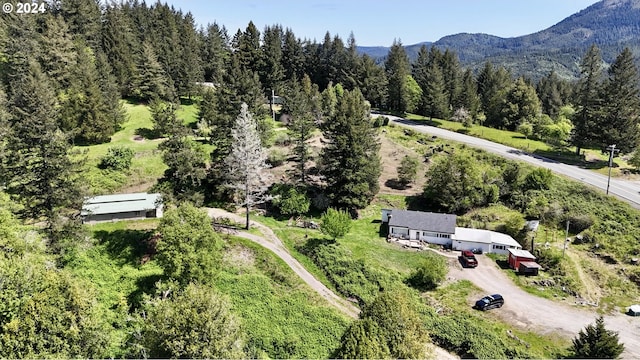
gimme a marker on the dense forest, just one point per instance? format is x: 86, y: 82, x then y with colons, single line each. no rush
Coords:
x: 65, y: 78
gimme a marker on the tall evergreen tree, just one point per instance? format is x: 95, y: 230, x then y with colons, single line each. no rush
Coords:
x: 86, y: 113
x: 373, y: 82
x: 469, y: 98
x: 299, y: 103
x: 246, y: 162
x: 588, y: 99
x: 292, y: 56
x: 43, y: 176
x: 493, y: 87
x: 57, y: 52
x: 350, y: 161
x: 118, y: 43
x: 190, y: 68
x: 397, y: 68
x: 620, y: 120
x: 550, y: 92
x: 521, y: 105
x: 451, y: 76
x: 151, y: 81
x: 272, y: 72
x: 434, y: 96
x: 247, y: 48
x: 84, y: 20
x: 215, y: 52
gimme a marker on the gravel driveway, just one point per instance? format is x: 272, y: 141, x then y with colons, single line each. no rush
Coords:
x: 541, y: 315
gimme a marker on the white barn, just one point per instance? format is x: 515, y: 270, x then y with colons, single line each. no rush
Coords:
x: 118, y: 207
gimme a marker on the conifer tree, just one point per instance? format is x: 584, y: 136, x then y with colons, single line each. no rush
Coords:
x: 620, y: 120
x: 189, y: 69
x: 118, y: 43
x: 434, y: 97
x: 450, y: 67
x: 42, y: 175
x: 373, y: 82
x: 469, y: 98
x: 550, y: 92
x: 272, y: 73
x: 596, y: 342
x: 57, y: 52
x: 299, y: 103
x: 522, y: 105
x: 397, y: 69
x: 292, y: 56
x: 589, y: 101
x: 493, y: 87
x: 151, y: 81
x: 246, y: 162
x: 85, y: 112
x: 84, y: 20
x: 215, y: 52
x: 350, y: 161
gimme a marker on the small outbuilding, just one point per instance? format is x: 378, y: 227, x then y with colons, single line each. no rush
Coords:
x: 517, y: 256
x: 119, y: 207
x: 529, y: 268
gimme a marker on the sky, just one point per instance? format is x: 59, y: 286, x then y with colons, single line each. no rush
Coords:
x: 380, y: 22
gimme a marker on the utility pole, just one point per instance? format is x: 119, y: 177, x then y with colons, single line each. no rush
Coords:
x: 612, y: 150
x: 273, y: 111
x: 566, y: 239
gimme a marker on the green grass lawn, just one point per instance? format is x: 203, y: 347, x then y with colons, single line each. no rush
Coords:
x: 147, y: 165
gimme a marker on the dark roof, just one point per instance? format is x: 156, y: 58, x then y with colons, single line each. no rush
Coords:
x: 423, y: 221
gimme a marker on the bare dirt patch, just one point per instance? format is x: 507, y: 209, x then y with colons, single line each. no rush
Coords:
x: 391, y: 155
x: 240, y: 257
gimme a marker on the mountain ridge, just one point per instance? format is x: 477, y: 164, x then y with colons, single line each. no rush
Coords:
x: 610, y: 24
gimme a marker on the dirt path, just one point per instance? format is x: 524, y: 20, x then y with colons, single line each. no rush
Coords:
x: 273, y: 243
x: 541, y: 315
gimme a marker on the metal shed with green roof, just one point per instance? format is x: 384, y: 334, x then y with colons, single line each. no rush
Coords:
x: 119, y: 207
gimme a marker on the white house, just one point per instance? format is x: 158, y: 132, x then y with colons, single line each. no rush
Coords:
x: 488, y: 241
x: 122, y: 207
x: 436, y: 228
x: 433, y: 228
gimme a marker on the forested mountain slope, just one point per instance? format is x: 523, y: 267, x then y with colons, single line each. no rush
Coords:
x: 610, y: 24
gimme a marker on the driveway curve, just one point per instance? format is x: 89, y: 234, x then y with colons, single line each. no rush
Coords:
x: 625, y: 190
x: 272, y: 242
x: 541, y: 315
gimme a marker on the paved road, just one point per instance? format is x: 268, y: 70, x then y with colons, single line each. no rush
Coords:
x: 626, y: 190
x: 541, y: 315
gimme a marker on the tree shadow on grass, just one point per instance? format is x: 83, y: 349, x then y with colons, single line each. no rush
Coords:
x: 144, y: 286
x: 147, y: 133
x: 126, y: 246
x: 504, y: 264
x: 311, y: 244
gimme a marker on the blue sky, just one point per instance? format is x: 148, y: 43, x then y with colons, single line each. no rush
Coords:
x: 378, y: 22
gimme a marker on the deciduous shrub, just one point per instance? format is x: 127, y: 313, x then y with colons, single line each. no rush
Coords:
x: 117, y: 158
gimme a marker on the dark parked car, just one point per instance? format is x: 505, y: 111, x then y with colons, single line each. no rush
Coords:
x: 490, y: 302
x: 467, y: 259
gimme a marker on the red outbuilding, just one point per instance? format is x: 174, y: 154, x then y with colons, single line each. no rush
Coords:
x: 516, y: 256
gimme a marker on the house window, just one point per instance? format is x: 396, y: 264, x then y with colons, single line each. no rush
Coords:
x: 498, y: 247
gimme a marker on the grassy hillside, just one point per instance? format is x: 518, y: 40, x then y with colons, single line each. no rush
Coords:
x: 147, y: 164
x: 281, y: 316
